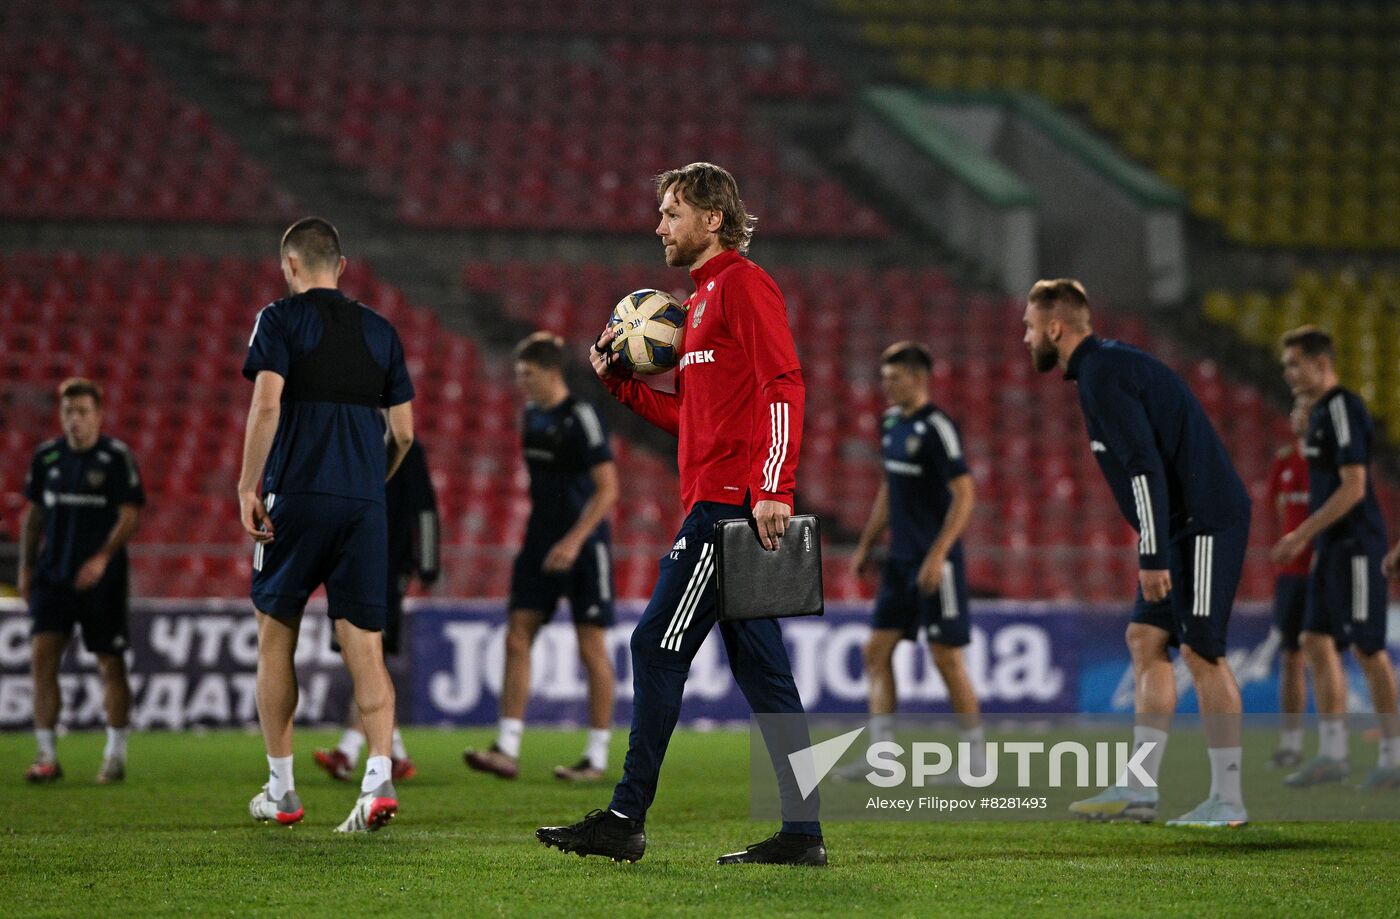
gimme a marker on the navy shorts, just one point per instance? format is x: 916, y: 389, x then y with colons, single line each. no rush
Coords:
x: 1205, y: 571
x: 101, y: 611
x: 342, y: 543
x: 902, y: 606
x: 393, y: 616
x: 1347, y: 595
x: 1290, y: 600
x: 588, y: 585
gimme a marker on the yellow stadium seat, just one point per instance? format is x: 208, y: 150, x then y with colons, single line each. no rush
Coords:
x: 1291, y: 102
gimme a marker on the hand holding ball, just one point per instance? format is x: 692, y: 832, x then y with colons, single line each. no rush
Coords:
x: 648, y: 326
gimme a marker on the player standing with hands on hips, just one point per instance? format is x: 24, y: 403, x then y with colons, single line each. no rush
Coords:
x: 737, y: 412
x: 323, y: 367
x: 1174, y: 483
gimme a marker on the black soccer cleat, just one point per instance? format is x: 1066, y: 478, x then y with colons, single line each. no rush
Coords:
x: 780, y: 849
x: 600, y: 833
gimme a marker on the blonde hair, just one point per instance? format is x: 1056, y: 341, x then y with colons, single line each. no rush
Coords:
x: 711, y: 188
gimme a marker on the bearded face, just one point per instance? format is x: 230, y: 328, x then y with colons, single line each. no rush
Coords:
x: 683, y: 230
x: 1044, y: 356
x: 685, y: 248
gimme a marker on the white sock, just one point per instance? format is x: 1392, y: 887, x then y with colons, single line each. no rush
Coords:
x: 279, y: 777
x: 396, y: 746
x: 116, y: 743
x: 508, y: 736
x: 1332, y: 738
x: 1152, y: 762
x: 378, y: 770
x: 597, y: 752
x: 350, y: 743
x: 1390, y: 753
x: 1225, y: 774
x: 881, y: 728
x: 1291, y: 740
x: 976, y: 740
x: 48, y: 744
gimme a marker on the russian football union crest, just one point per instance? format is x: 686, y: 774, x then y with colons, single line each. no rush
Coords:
x: 911, y: 444
x: 95, y: 477
x: 699, y: 311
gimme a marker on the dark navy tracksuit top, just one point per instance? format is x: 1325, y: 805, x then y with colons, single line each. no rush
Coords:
x: 1167, y: 467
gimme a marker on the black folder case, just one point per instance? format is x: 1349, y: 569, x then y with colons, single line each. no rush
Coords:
x: 755, y: 584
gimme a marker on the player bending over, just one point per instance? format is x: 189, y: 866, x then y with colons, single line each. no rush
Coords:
x: 1174, y: 483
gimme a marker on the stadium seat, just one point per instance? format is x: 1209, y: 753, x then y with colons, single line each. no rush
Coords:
x: 90, y: 132
x: 170, y: 343
x: 1279, y: 119
x: 469, y: 129
x: 1038, y: 484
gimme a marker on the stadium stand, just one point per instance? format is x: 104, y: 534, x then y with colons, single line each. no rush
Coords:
x: 1024, y: 436
x: 89, y: 131
x: 1361, y: 311
x: 166, y: 335
x: 1281, y: 119
x: 460, y: 120
x: 461, y: 115
x: 166, y: 338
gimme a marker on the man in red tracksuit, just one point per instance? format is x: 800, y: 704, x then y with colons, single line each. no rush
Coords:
x: 737, y: 411
x: 1289, y: 496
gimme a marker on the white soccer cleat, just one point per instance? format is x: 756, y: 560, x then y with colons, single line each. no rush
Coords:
x: 582, y: 771
x: 372, y: 811
x: 286, y: 812
x: 1213, y: 811
x: 1320, y: 770
x: 1118, y: 802
x: 113, y: 770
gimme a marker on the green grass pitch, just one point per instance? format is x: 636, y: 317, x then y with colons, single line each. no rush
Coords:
x: 176, y: 839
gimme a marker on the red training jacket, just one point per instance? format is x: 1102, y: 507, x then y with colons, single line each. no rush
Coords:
x: 739, y: 394
x: 1288, y: 489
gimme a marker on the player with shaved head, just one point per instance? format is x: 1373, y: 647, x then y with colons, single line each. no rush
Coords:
x: 1176, y: 486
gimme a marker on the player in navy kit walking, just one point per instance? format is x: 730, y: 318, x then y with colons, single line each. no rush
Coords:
x: 85, y: 497
x: 567, y: 553
x: 323, y: 368
x: 1346, y: 601
x: 926, y: 501
x: 1174, y: 482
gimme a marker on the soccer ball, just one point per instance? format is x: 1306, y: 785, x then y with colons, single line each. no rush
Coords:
x: 649, y: 326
